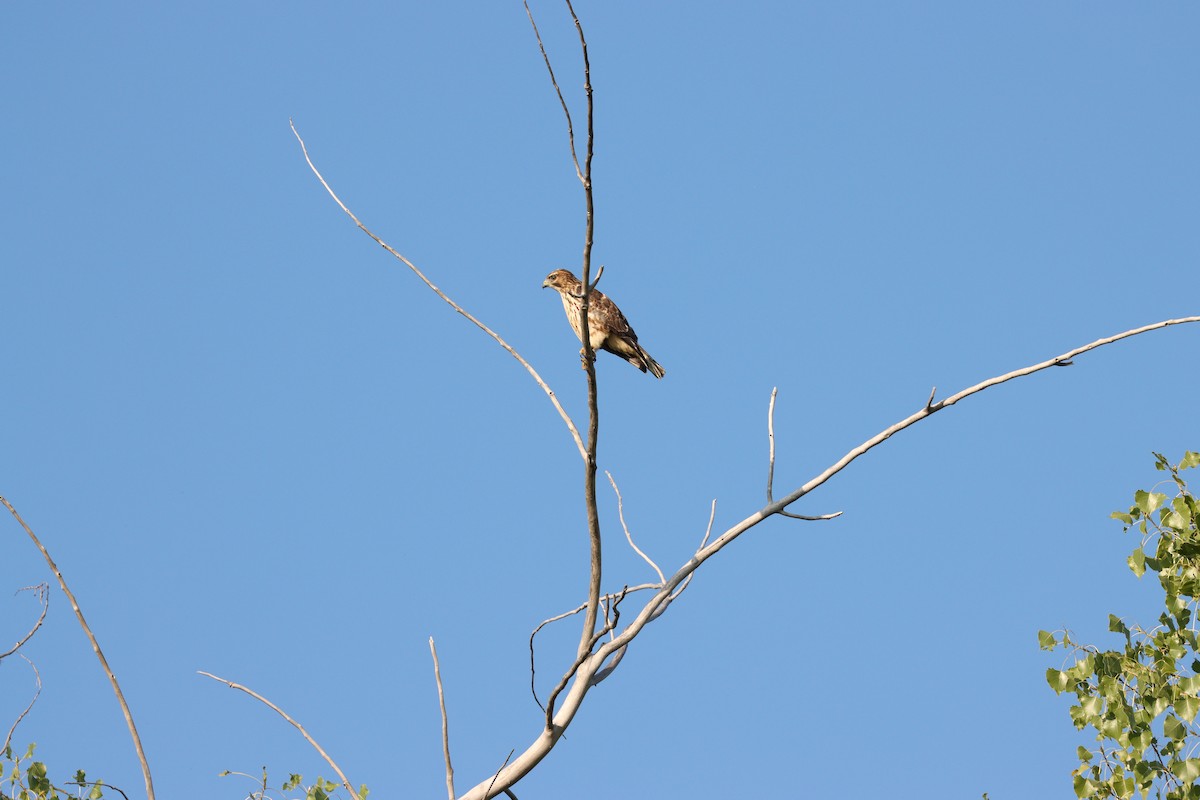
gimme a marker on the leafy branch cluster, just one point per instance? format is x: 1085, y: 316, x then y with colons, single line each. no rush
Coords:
x: 26, y: 779
x: 1142, y: 699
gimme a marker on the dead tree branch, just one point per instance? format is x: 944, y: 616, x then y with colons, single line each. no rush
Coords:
x: 628, y: 535
x: 437, y: 674
x: 43, y: 594
x: 345, y: 781
x: 112, y: 677
x: 495, y: 336
x: 589, y: 357
x: 37, y: 677
x: 771, y: 466
x: 588, y: 666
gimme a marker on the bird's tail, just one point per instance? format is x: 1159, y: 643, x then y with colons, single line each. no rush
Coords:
x: 655, y: 368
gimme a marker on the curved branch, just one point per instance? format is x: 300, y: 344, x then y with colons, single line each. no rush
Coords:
x: 511, y: 351
x: 628, y: 535
x: 112, y: 677
x: 345, y: 781
x: 43, y: 593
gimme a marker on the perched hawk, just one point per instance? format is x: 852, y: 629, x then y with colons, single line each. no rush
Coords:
x: 607, y: 327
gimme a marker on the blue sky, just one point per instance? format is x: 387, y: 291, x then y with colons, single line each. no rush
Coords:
x: 257, y: 446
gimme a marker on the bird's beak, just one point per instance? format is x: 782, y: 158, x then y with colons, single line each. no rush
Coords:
x: 545, y: 283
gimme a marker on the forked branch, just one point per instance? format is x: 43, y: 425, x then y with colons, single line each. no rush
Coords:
x: 586, y: 669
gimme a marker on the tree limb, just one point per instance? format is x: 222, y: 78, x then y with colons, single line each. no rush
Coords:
x: 495, y: 336
x: 437, y: 674
x: 589, y: 665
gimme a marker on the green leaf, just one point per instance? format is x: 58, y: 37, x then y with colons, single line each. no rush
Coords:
x: 1084, y: 754
x: 1186, y: 769
x: 1147, y: 502
x: 1187, y: 707
x: 1116, y: 625
x: 1058, y: 680
x: 1117, y: 515
x: 1174, y: 728
x: 1137, y: 562
x: 1046, y: 640
x: 1190, y: 459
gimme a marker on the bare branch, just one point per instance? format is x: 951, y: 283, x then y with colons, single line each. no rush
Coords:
x: 437, y: 674
x: 708, y: 531
x: 112, y: 677
x: 771, y: 444
x: 926, y: 411
x: 590, y: 665
x: 43, y: 595
x: 37, y: 676
x: 587, y: 354
x: 495, y: 336
x: 628, y: 536
x: 295, y: 724
x: 558, y: 91
x: 818, y: 518
x: 584, y: 656
x: 564, y: 615
x: 771, y: 468
x: 599, y: 275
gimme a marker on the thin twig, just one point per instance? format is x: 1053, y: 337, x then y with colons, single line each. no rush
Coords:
x: 771, y: 467
x: 37, y: 676
x: 437, y: 674
x: 495, y: 336
x: 497, y: 775
x: 43, y: 595
x: 112, y: 677
x: 771, y: 445
x: 558, y: 91
x: 628, y: 535
x: 564, y: 615
x: 295, y: 724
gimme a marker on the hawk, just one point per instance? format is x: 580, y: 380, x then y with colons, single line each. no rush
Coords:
x: 607, y: 327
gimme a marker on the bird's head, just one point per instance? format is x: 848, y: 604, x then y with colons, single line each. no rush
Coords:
x: 560, y: 280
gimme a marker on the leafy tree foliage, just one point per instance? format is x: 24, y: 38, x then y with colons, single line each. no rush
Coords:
x: 1142, y: 698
